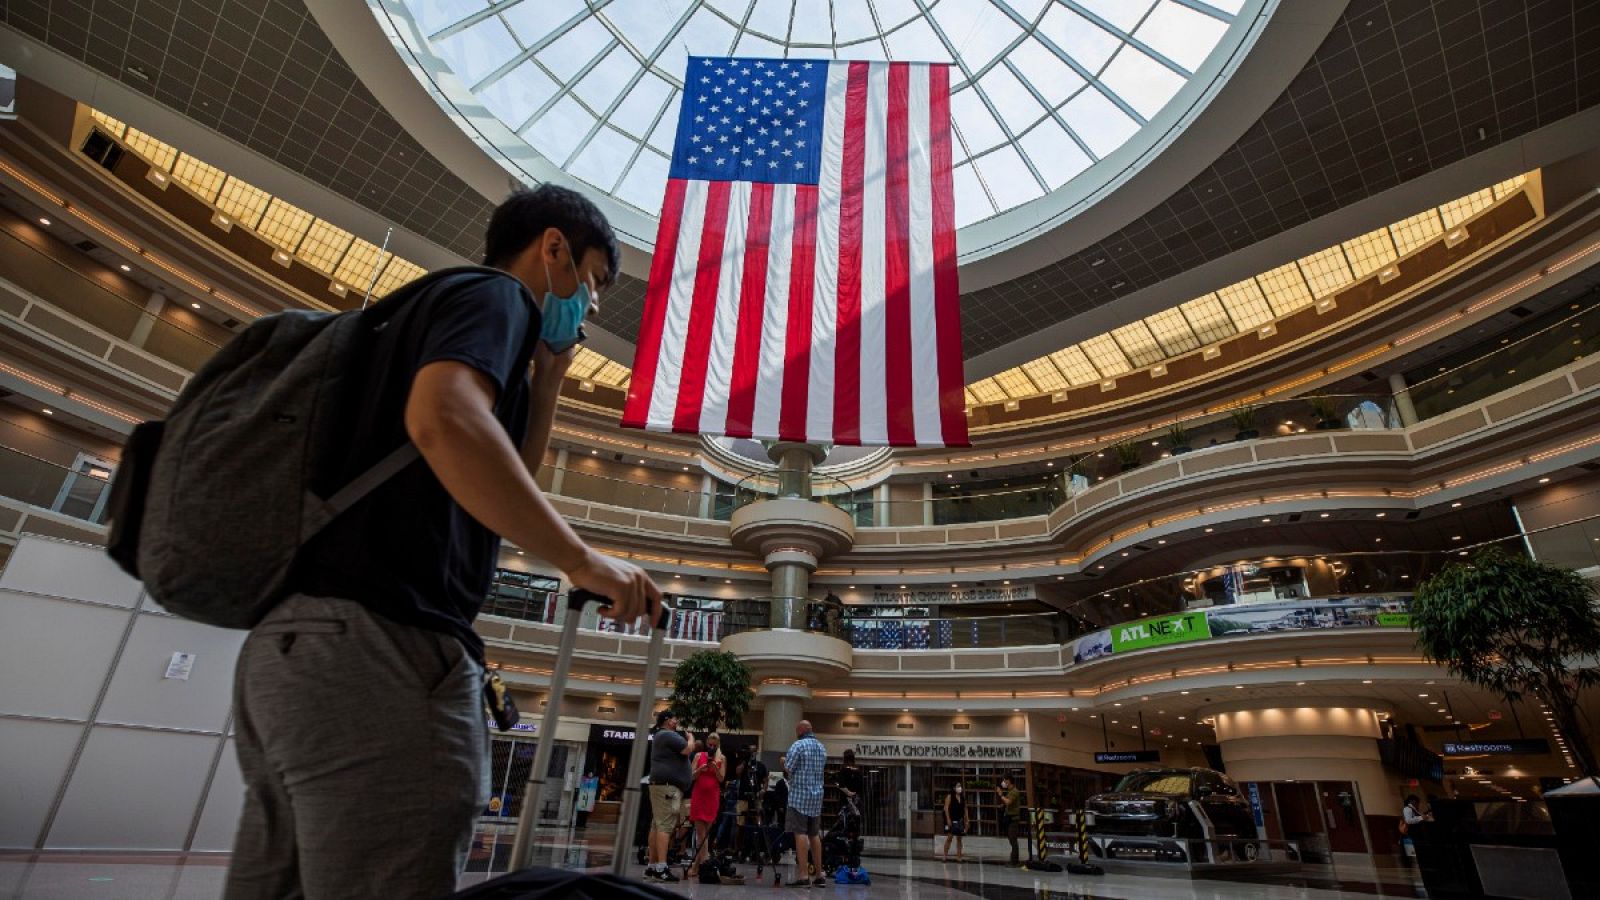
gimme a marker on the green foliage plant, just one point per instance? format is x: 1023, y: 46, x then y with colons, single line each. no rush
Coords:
x: 711, y: 690
x: 1516, y: 627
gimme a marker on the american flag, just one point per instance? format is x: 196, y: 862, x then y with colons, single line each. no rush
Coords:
x: 804, y: 286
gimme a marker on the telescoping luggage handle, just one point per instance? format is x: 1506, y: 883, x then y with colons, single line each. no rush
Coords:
x: 578, y: 600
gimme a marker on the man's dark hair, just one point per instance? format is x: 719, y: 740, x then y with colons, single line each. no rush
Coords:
x: 525, y: 215
x: 663, y: 716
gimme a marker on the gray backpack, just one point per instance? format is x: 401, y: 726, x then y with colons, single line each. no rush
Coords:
x: 210, y: 506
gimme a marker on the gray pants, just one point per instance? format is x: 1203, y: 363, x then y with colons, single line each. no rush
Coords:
x: 363, y: 746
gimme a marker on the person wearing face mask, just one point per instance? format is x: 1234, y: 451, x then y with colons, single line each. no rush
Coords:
x: 955, y: 820
x: 464, y: 364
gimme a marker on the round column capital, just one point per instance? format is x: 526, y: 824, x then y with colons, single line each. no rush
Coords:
x: 793, y: 556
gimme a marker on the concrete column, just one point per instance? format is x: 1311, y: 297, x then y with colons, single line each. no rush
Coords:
x: 791, y: 586
x: 153, y: 305
x: 1402, y: 400
x: 1336, y: 739
x: 927, y: 503
x: 795, y: 462
x: 783, y: 706
x: 558, y: 476
x: 708, y: 494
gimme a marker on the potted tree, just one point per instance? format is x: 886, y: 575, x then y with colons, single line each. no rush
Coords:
x: 1516, y: 627
x: 1244, y: 423
x: 1326, y: 411
x: 1127, y: 455
x: 711, y: 690
x: 1178, y: 439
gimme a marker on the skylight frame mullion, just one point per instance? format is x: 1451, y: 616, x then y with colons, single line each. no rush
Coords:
x: 1200, y: 7
x: 1074, y: 65
x: 972, y: 85
x: 490, y: 9
x: 1128, y: 39
x: 564, y: 87
x: 602, y: 119
x: 527, y: 53
x: 1052, y: 113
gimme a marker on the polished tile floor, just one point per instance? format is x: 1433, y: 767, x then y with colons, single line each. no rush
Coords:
x: 85, y: 876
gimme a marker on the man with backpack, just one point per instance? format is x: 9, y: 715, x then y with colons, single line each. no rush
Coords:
x: 364, y: 677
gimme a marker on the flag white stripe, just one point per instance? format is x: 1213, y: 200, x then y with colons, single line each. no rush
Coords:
x: 774, y: 315
x: 725, y: 326
x: 924, y: 324
x: 874, y: 211
x: 825, y: 289
x: 680, y: 299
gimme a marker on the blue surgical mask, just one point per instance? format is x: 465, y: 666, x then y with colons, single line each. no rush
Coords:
x: 562, y: 324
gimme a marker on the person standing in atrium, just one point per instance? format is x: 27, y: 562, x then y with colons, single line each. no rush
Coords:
x: 804, y: 764
x: 670, y: 780
x: 352, y: 791
x: 1010, y: 815
x: 705, y: 797
x: 955, y: 821
x: 853, y: 804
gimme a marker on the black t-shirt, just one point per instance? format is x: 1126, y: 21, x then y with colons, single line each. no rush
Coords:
x: 849, y: 779
x: 407, y: 550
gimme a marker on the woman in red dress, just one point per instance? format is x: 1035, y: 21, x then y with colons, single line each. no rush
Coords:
x: 705, y: 798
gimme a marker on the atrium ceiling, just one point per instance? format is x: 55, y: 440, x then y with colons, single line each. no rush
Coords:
x: 1394, y: 92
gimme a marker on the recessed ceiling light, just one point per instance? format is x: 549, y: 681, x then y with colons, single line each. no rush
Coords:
x: 1456, y: 505
x: 195, y: 305
x: 1381, y: 515
x: 1544, y: 481
x: 1366, y: 681
x: 1209, y: 530
x: 48, y: 412
x: 43, y: 221
x: 1325, y: 515
x: 594, y: 452
x: 1300, y: 684
x: 125, y: 267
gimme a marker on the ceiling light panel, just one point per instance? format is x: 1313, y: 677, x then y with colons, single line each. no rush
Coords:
x: 1245, y: 304
x: 1044, y: 373
x: 1460, y: 210
x: 116, y: 127
x: 1138, y: 344
x: 204, y: 180
x: 1075, y: 365
x: 243, y: 201
x: 1208, y: 319
x: 397, y: 272
x: 988, y: 391
x: 1106, y: 356
x: 1370, y: 252
x: 1416, y: 231
x: 160, y: 153
x: 284, y: 224
x: 359, y: 263
x: 1016, y: 384
x: 1285, y: 289
x: 1327, y: 272
x: 324, y: 245
x: 1172, y: 331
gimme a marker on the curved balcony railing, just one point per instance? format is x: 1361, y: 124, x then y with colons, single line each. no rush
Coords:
x: 82, y: 297
x: 1543, y: 345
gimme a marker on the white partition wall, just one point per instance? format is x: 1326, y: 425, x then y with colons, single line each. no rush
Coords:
x: 101, y: 746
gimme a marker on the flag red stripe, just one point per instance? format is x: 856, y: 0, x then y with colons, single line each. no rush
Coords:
x: 847, y: 349
x: 648, y: 353
x: 797, y: 339
x: 752, y: 293
x: 897, y: 263
x: 946, y: 288
x: 703, y: 310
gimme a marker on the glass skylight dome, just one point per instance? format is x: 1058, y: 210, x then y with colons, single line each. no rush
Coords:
x: 1051, y: 98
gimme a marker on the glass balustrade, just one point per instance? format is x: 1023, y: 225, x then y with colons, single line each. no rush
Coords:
x: 1533, y: 349
x: 77, y: 491
x: 94, y: 302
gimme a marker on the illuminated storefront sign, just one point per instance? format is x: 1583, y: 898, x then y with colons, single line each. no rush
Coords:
x: 1509, y: 747
x: 939, y: 750
x: 1004, y: 594
x: 1160, y: 631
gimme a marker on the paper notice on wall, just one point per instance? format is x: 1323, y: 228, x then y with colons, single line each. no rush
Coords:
x: 180, y: 666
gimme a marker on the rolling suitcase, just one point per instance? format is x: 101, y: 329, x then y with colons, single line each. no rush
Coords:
x: 577, y: 601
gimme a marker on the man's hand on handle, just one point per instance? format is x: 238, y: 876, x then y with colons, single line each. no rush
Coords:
x: 630, y: 590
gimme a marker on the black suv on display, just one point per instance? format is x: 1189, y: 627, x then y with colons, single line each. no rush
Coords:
x: 1173, y: 803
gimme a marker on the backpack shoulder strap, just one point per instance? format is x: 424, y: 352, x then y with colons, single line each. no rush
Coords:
x: 368, y: 481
